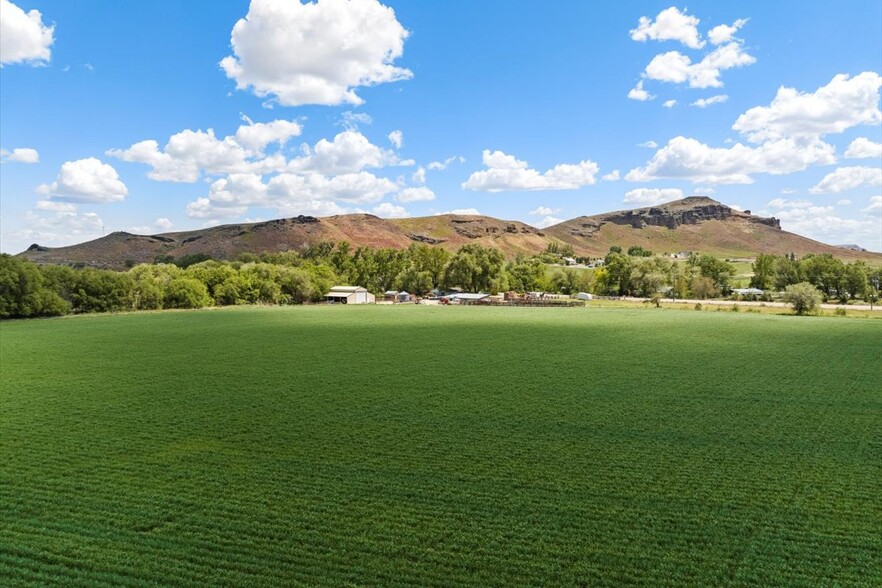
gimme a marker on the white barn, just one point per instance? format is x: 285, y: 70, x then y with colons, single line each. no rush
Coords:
x: 350, y: 295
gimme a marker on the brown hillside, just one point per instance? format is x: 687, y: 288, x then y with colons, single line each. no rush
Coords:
x: 694, y: 224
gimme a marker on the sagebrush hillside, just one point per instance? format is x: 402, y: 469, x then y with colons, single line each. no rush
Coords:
x: 695, y: 224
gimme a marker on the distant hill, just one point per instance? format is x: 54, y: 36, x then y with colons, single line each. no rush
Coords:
x: 691, y: 224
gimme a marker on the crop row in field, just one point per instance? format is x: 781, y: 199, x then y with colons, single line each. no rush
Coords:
x: 440, y: 446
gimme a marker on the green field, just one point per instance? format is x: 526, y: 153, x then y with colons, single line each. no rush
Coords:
x: 441, y: 446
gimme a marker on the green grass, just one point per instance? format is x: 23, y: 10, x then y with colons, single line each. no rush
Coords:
x: 432, y: 446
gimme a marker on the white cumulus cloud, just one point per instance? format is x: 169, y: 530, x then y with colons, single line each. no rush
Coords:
x: 20, y: 155
x: 612, y: 176
x: 724, y: 33
x: 650, y: 196
x: 348, y: 152
x: 419, y: 194
x: 396, y: 138
x: 843, y: 103
x: 23, y: 36
x: 507, y: 173
x: 315, y: 53
x: 863, y: 148
x: 543, y: 211
x: 388, y: 210
x: 669, y: 103
x: 689, y: 159
x: 846, y: 178
x: 86, y: 180
x: 638, y: 93
x: 669, y: 25
x: 189, y: 153
x: 676, y: 68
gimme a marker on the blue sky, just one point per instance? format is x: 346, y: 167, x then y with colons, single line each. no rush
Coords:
x: 531, y: 111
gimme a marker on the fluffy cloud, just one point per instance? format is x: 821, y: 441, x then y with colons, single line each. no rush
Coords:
x: 23, y: 36
x: 289, y: 193
x: 189, y: 152
x: 689, y: 159
x: 669, y: 103
x: 669, y: 25
x: 612, y: 176
x: 58, y: 224
x: 420, y: 194
x: 349, y: 152
x: 507, y: 173
x: 20, y: 155
x: 547, y: 222
x: 315, y: 53
x: 875, y: 205
x: 648, y: 144
x: 705, y: 102
x: 674, y: 67
x: 387, y: 210
x: 86, y: 180
x: 843, y: 103
x: 419, y: 176
x: 396, y: 138
x: 638, y: 93
x: 163, y: 223
x: 254, y: 137
x: 650, y: 196
x: 543, y: 211
x: 823, y: 223
x: 724, y: 33
x: 863, y: 148
x: 846, y: 178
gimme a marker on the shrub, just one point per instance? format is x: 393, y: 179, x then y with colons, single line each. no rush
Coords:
x: 839, y: 312
x: 803, y: 297
x: 186, y: 293
x: 698, y: 306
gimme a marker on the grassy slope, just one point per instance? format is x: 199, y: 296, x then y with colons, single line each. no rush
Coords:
x: 441, y: 446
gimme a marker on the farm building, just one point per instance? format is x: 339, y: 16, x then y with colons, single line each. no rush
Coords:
x: 749, y: 292
x: 396, y: 296
x: 466, y: 297
x: 350, y: 295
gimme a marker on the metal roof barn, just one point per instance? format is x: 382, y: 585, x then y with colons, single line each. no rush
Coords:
x: 350, y: 295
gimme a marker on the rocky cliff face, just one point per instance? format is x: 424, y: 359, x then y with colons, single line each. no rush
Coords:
x: 703, y: 209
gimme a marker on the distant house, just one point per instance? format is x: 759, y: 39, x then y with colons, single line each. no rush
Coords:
x: 350, y: 295
x: 681, y: 255
x: 749, y: 292
x: 596, y: 263
x: 570, y: 261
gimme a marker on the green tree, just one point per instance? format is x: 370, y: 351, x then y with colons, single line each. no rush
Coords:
x: 186, y: 292
x: 97, y: 290
x: 763, y: 271
x: 803, y: 297
x: 473, y: 268
x: 718, y: 271
x: 24, y: 291
x: 855, y: 279
x: 703, y: 287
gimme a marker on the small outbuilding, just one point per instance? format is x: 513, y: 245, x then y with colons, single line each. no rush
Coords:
x: 350, y: 295
x: 584, y: 296
x: 467, y: 297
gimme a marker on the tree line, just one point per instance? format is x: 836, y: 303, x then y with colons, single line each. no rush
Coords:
x: 297, y: 277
